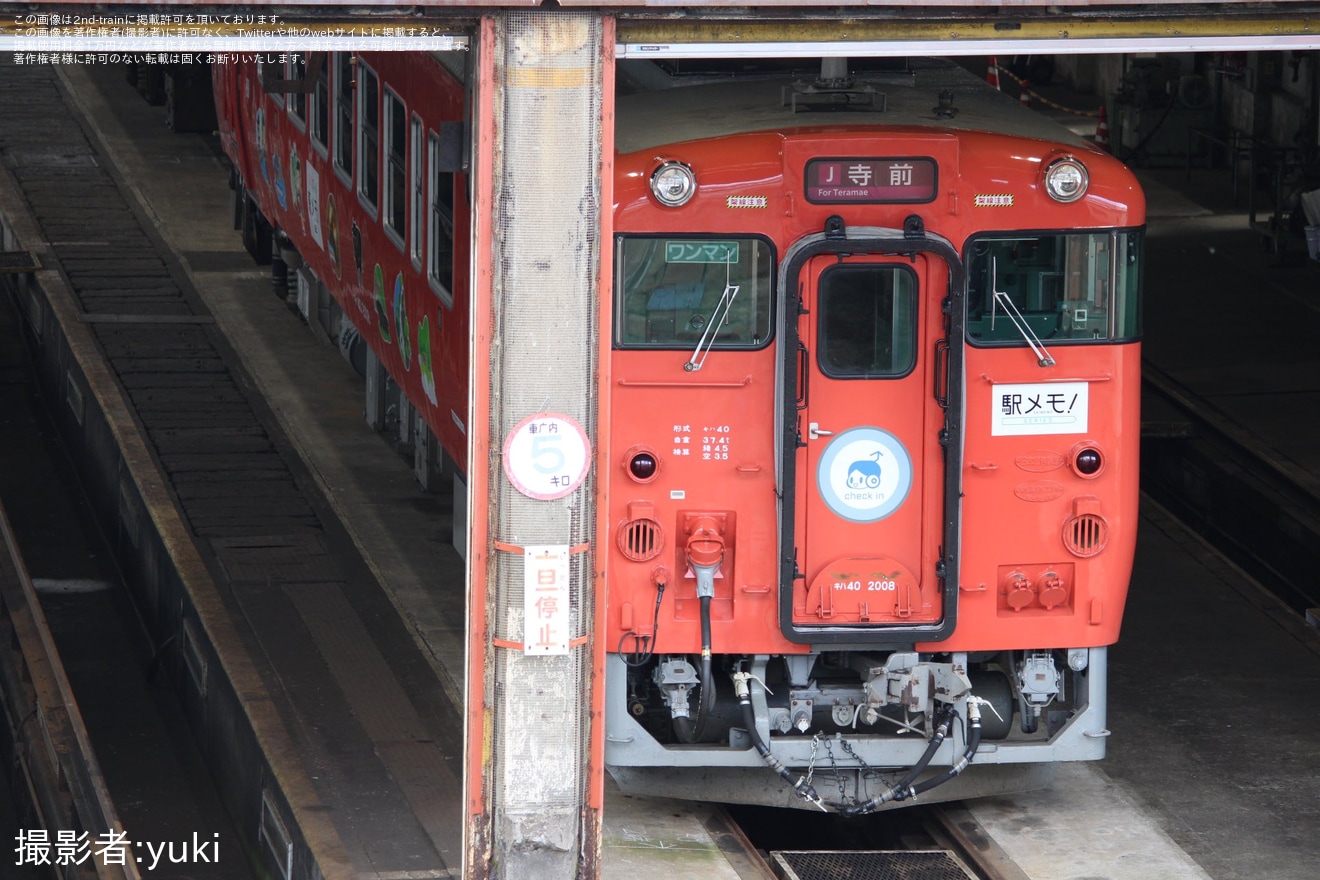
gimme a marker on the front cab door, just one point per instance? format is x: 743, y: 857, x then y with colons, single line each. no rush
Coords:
x: 869, y: 523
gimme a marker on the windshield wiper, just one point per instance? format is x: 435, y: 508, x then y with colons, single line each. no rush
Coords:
x: 718, y: 316
x: 1011, y: 310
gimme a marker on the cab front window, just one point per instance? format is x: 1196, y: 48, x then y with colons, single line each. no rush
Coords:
x: 679, y: 291
x: 1065, y: 286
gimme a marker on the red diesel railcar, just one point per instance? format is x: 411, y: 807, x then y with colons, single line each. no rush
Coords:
x: 871, y: 466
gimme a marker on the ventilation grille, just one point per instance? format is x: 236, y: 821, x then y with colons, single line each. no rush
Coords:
x: 641, y: 539
x: 871, y: 865
x: 1086, y: 534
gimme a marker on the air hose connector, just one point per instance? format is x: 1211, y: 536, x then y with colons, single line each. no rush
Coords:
x: 705, y: 553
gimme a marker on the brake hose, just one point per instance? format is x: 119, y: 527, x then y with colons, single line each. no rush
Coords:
x: 801, y: 786
x: 687, y: 731
x: 901, y: 790
x: 973, y: 742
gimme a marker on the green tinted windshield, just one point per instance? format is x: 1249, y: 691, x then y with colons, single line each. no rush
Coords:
x: 1078, y: 286
x: 673, y: 291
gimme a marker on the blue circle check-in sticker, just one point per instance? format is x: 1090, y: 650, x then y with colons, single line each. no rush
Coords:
x: 864, y: 475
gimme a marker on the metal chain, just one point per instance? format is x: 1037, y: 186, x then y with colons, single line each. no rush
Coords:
x: 811, y: 762
x: 864, y: 769
x: 834, y: 767
x: 816, y: 740
x: 847, y: 747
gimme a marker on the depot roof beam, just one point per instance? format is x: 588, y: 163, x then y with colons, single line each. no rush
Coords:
x: 1059, y: 35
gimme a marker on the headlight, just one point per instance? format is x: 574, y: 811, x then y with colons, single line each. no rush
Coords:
x: 1066, y: 179
x: 642, y: 463
x: 673, y: 183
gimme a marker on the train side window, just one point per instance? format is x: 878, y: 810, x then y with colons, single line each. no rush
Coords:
x: 867, y: 321
x: 343, y: 135
x: 417, y: 192
x: 368, y: 120
x: 320, y: 133
x: 395, y: 211
x: 295, y: 71
x: 673, y: 291
x: 1068, y: 286
x: 440, y: 241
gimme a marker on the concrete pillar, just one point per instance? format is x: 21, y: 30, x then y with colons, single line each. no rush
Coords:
x: 534, y: 767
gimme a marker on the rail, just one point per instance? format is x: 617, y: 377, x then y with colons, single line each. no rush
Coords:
x: 936, y: 841
x: 60, y: 772
x: 1261, y: 509
x: 954, y: 828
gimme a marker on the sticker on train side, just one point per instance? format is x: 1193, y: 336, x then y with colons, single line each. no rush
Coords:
x: 1039, y: 408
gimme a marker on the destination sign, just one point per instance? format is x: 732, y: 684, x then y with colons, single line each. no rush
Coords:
x: 863, y: 181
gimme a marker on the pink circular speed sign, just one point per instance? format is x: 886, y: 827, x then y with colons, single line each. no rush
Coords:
x: 546, y: 456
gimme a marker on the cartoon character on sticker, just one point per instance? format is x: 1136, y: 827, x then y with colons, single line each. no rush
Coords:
x: 382, y: 313
x: 295, y: 178
x: 401, y: 328
x: 332, y: 233
x: 424, y: 358
x: 312, y: 198
x: 281, y: 193
x: 261, y: 142
x: 865, y: 473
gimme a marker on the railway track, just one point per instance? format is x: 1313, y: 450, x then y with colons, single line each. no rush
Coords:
x: 56, y: 782
x: 939, y: 842
x: 126, y: 764
x: 260, y: 611
x: 1185, y: 450
x: 1260, y: 510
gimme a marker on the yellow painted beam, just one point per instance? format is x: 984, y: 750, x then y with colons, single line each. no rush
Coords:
x: 642, y: 26
x: 879, y: 30
x: 26, y: 25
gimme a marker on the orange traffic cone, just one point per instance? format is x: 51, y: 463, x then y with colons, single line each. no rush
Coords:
x: 1102, y: 131
x: 1024, y: 97
x: 992, y: 75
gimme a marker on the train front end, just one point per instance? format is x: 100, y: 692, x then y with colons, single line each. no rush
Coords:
x: 871, y: 464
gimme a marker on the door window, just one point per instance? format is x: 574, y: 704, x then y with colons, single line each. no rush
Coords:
x: 868, y: 321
